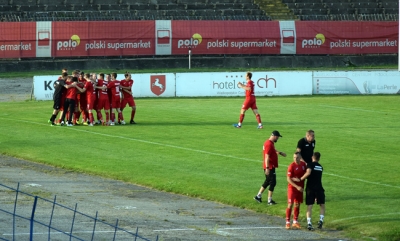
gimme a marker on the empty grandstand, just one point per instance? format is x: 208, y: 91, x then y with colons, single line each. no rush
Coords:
x: 105, y: 10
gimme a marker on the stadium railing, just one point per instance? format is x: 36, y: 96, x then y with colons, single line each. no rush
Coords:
x: 26, y: 214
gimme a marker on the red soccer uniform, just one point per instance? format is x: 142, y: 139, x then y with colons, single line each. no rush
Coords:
x: 103, y: 102
x: 127, y: 98
x: 71, y: 92
x: 82, y: 96
x: 250, y: 101
x: 115, y: 93
x: 269, y: 148
x: 296, y: 170
x: 90, y: 95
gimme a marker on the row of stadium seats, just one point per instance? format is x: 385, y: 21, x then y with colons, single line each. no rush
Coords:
x: 298, y: 5
x: 351, y: 17
x: 105, y: 7
x: 85, y: 2
x: 334, y: 11
x: 129, y: 15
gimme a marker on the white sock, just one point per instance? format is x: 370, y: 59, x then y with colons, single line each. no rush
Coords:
x: 259, y: 194
x: 321, y: 217
x: 309, y: 220
x: 269, y: 199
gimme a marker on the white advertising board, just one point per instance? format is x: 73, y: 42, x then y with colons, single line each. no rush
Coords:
x: 145, y: 85
x: 225, y: 84
x: 356, y: 82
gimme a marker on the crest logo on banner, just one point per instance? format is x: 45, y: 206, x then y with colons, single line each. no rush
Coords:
x: 157, y: 84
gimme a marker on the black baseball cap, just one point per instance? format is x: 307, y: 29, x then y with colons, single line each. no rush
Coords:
x: 276, y: 133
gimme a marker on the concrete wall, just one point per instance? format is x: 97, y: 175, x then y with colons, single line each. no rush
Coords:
x: 201, y: 62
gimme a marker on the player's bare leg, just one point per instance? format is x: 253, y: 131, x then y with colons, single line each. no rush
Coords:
x: 133, y: 115
x: 258, y: 118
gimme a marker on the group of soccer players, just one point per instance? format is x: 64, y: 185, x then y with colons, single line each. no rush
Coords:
x: 80, y: 93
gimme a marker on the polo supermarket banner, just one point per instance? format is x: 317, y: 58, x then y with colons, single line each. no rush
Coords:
x: 176, y: 37
x: 356, y: 82
x: 226, y: 37
x: 17, y: 39
x: 97, y: 38
x: 339, y: 37
x: 145, y: 85
x: 225, y: 84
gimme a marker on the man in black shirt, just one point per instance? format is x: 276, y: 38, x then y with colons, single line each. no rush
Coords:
x: 59, y: 87
x: 306, y: 146
x: 314, y: 189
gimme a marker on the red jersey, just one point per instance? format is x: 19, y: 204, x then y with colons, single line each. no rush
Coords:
x: 114, y: 87
x: 89, y: 90
x: 250, y: 93
x: 102, y: 93
x: 71, y: 91
x: 269, y: 148
x: 296, y: 170
x: 127, y: 83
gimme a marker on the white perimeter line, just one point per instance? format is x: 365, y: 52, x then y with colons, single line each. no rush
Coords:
x: 219, y: 229
x: 365, y: 216
x: 191, y: 149
x: 359, y: 109
x: 51, y: 233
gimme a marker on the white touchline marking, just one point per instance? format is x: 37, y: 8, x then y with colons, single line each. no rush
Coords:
x: 218, y: 229
x: 195, y: 150
x: 365, y: 216
x: 359, y: 109
x: 10, y: 234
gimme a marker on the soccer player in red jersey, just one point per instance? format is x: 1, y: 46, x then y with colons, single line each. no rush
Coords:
x: 82, y: 100
x: 270, y: 163
x: 295, y: 189
x: 249, y: 102
x: 103, y: 101
x: 88, y: 89
x: 69, y: 104
x: 114, y: 87
x: 127, y: 96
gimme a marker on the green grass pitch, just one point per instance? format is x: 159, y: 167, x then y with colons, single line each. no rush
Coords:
x: 188, y: 146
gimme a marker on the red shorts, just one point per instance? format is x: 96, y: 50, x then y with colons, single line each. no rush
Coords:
x: 103, y: 103
x: 249, y: 103
x: 295, y: 196
x: 128, y: 101
x: 82, y: 103
x: 116, y: 102
x: 91, y: 101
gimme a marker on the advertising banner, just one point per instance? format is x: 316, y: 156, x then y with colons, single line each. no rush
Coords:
x: 338, y: 37
x: 225, y: 84
x: 144, y: 85
x: 356, y: 82
x: 18, y: 39
x: 97, y: 38
x: 225, y: 37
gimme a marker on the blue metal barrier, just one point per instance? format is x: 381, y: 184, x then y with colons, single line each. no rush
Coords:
x: 34, y: 222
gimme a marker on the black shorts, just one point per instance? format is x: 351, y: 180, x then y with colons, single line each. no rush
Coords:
x: 312, y: 194
x: 270, y: 180
x: 57, y: 104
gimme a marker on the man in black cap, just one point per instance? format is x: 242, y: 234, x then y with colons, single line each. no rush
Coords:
x: 270, y: 155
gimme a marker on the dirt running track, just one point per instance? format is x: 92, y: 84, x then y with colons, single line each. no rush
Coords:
x: 168, y: 216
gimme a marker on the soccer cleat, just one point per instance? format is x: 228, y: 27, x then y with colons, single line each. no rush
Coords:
x: 260, y: 127
x: 77, y: 123
x: 53, y: 124
x: 320, y: 223
x: 62, y: 123
x: 98, y: 122
x: 69, y: 124
x: 49, y: 121
x: 132, y: 122
x: 287, y: 226
x: 237, y: 126
x: 85, y: 123
x: 310, y: 227
x: 296, y: 226
x: 258, y: 199
x: 272, y: 202
x: 123, y: 123
x: 112, y: 124
x: 90, y: 124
